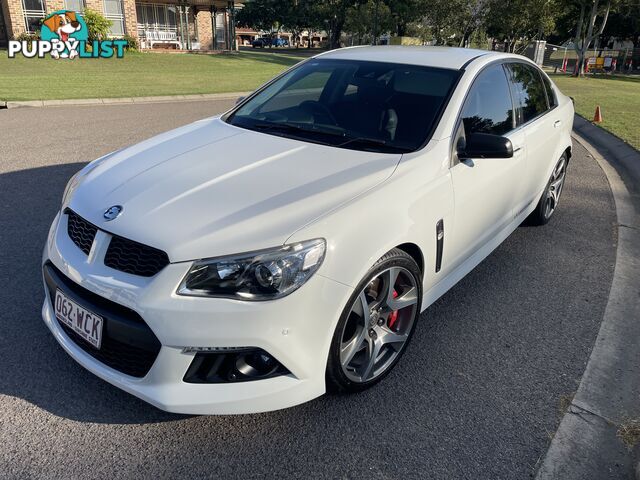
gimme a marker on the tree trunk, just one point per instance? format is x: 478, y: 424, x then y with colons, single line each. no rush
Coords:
x: 588, y: 37
x: 467, y: 33
x: 579, y: 40
x: 336, y: 32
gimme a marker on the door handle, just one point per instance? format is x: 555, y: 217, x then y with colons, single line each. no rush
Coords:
x: 557, y: 123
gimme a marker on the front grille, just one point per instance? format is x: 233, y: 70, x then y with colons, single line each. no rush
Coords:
x: 135, y: 258
x: 122, y: 254
x: 80, y: 231
x: 128, y: 344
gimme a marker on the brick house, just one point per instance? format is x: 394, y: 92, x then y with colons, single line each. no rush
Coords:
x: 180, y: 24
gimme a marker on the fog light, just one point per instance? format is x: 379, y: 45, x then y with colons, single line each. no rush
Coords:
x: 231, y: 364
x: 256, y: 364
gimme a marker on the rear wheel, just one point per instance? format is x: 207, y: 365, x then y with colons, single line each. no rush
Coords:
x: 551, y: 195
x: 376, y: 325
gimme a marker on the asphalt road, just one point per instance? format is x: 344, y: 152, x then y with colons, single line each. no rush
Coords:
x: 477, y: 395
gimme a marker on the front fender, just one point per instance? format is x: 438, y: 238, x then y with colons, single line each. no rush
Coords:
x: 403, y: 209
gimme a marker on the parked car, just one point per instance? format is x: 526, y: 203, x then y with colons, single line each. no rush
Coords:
x: 266, y: 42
x: 261, y: 42
x: 280, y: 42
x: 254, y: 260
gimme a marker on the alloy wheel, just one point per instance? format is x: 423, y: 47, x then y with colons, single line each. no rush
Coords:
x: 379, y: 324
x: 555, y: 187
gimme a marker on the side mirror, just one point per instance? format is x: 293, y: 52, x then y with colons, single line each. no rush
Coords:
x: 239, y: 99
x: 485, y: 145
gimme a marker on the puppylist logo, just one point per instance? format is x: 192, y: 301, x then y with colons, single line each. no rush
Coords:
x: 64, y: 34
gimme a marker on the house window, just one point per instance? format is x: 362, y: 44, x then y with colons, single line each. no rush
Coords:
x: 220, y: 30
x: 157, y: 17
x: 75, y: 5
x: 33, y: 14
x: 114, y: 11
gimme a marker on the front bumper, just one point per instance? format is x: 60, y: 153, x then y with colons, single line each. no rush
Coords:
x: 296, y: 330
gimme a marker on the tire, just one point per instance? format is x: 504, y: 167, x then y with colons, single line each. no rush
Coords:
x: 382, y: 333
x: 548, y: 203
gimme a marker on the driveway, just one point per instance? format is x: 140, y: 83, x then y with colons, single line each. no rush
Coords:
x: 478, y: 394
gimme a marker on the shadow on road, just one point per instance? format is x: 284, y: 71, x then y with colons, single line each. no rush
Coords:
x: 34, y: 366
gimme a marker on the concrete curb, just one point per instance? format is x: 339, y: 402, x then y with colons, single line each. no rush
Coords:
x: 586, y: 445
x: 124, y: 100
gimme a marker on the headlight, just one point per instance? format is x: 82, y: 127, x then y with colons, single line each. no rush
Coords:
x: 263, y: 275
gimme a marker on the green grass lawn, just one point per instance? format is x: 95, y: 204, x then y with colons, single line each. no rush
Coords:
x: 137, y: 75
x: 618, y: 97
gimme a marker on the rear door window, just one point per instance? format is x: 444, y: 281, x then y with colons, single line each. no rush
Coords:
x: 551, y: 95
x: 528, y: 91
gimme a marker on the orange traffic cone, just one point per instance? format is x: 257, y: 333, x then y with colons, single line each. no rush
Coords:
x: 597, y: 118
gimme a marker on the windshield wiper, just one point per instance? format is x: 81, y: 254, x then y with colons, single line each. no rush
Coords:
x: 378, y: 143
x: 288, y: 127
x: 367, y: 140
x: 374, y: 142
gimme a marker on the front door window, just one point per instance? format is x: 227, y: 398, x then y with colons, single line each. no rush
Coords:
x: 488, y: 107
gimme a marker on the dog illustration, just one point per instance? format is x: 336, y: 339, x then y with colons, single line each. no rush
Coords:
x: 63, y: 25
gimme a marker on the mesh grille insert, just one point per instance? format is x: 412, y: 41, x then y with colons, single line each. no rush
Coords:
x: 80, y: 231
x: 135, y: 258
x: 122, y: 254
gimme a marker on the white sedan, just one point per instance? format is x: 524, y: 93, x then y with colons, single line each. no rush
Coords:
x: 255, y: 260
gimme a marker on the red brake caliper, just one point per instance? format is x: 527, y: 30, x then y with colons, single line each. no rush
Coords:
x: 393, y: 317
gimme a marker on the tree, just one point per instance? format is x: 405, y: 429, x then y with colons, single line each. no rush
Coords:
x: 452, y: 22
x: 334, y: 15
x: 624, y: 23
x: 368, y: 20
x: 302, y: 15
x: 98, y: 26
x: 518, y: 22
x: 405, y: 12
x: 586, y: 29
x: 472, y: 17
x: 263, y: 15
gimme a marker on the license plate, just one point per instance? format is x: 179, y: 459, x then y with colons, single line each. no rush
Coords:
x: 85, y: 323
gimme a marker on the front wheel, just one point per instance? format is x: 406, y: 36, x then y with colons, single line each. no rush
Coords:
x: 376, y: 325
x: 551, y: 195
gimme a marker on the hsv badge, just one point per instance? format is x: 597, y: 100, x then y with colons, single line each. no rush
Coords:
x: 112, y: 213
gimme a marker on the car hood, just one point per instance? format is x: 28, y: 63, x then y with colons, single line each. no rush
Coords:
x: 210, y: 188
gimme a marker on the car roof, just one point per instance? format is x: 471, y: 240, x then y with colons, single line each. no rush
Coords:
x: 442, y: 57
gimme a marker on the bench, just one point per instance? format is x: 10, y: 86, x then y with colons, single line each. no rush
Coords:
x: 153, y: 37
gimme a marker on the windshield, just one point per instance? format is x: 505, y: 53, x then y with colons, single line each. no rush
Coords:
x: 373, y: 106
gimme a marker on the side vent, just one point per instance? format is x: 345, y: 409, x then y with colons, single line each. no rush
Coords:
x: 439, y: 243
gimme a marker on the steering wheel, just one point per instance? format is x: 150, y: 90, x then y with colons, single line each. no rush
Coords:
x: 319, y: 109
